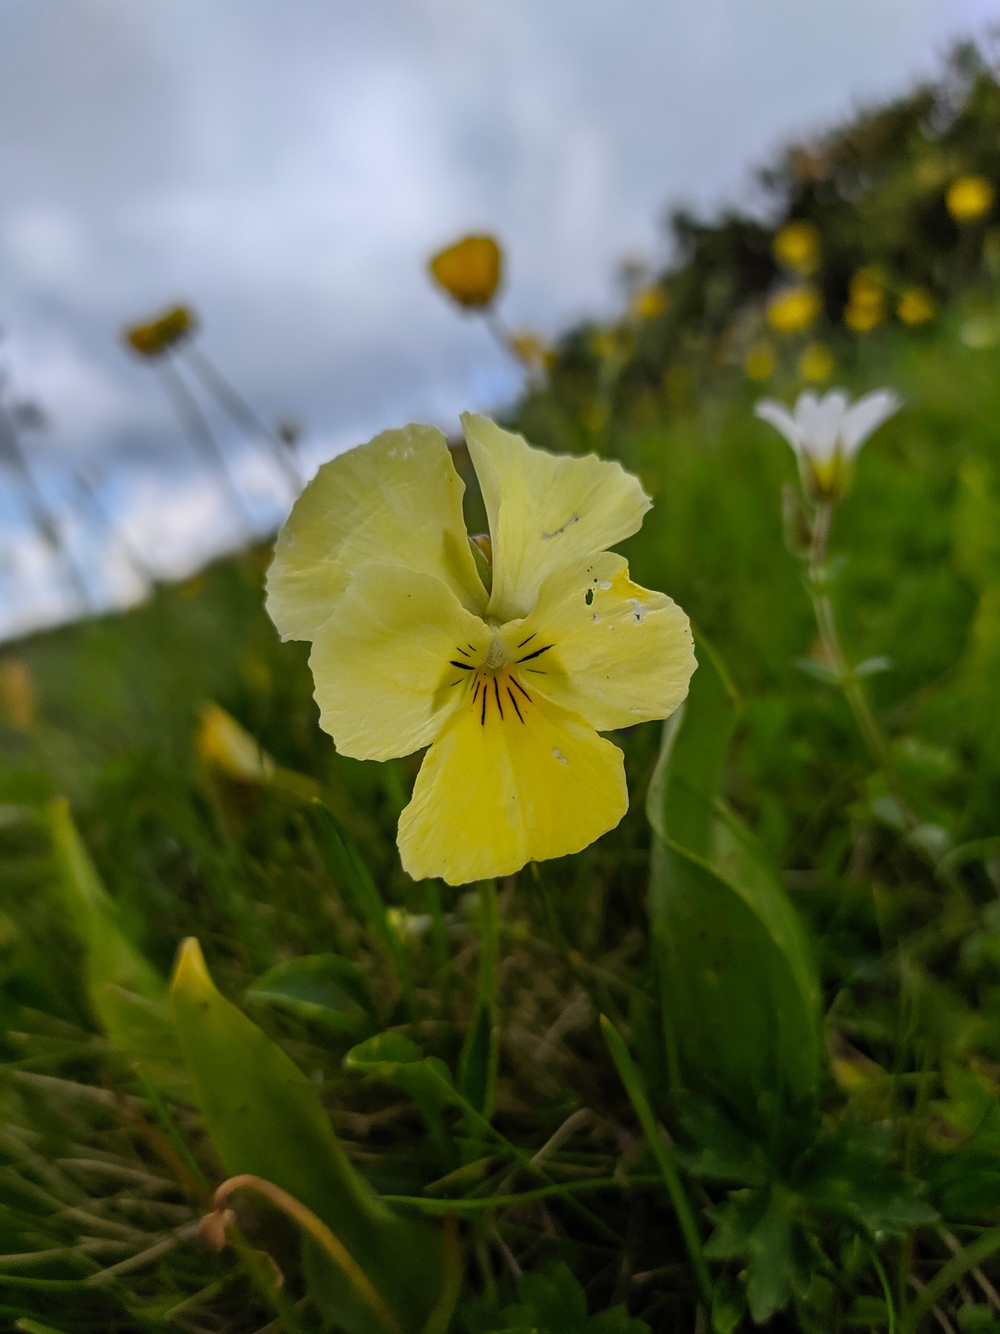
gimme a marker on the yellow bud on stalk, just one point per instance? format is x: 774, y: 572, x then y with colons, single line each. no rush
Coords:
x: 469, y: 271
x: 154, y: 337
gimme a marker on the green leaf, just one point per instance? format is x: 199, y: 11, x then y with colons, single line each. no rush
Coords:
x: 325, y: 987
x: 265, y: 1118
x: 396, y: 1060
x: 353, y: 879
x: 126, y: 994
x: 553, y: 1303
x: 680, y: 802
x: 741, y: 998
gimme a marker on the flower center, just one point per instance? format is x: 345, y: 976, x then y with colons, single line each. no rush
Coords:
x: 494, y: 685
x: 496, y: 655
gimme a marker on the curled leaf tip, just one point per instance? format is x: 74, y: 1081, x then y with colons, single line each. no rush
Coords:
x: 191, y: 974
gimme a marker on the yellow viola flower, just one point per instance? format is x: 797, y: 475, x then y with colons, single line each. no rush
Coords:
x: 469, y: 271
x: 794, y: 310
x: 510, y: 685
x: 816, y: 362
x: 797, y: 247
x: 154, y: 337
x: 916, y: 306
x: 969, y: 198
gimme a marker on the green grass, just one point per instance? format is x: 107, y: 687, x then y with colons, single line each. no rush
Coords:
x: 909, y: 965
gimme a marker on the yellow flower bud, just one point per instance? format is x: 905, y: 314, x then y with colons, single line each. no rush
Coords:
x: 816, y: 362
x: 916, y: 306
x: 648, y: 303
x: 794, y: 310
x: 969, y: 198
x: 158, y: 335
x: 469, y: 271
x: 222, y: 744
x: 760, y: 361
x: 532, y: 351
x: 797, y: 247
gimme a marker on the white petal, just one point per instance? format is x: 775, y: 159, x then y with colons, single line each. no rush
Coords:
x: 820, y: 422
x: 781, y: 419
x: 865, y: 417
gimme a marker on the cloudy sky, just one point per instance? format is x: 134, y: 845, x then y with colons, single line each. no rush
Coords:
x: 288, y: 165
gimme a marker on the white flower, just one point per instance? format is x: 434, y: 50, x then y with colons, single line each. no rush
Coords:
x: 827, y: 432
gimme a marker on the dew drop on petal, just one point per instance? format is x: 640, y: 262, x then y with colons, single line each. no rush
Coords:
x: 558, y: 755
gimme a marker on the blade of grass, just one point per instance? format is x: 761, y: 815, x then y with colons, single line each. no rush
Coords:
x: 632, y: 1081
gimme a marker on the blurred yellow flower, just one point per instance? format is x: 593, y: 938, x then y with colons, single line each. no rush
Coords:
x: 797, y: 247
x: 508, y: 686
x: 760, y: 361
x: 816, y: 362
x: 916, y: 305
x: 794, y: 310
x: 154, y: 337
x: 222, y: 744
x: 969, y: 198
x: 532, y: 351
x: 17, y: 697
x: 469, y: 270
x: 866, y: 307
x: 647, y: 303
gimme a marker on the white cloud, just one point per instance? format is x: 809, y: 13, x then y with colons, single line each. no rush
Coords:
x: 288, y: 168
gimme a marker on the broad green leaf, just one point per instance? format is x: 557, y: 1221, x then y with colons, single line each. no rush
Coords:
x: 739, y: 1002
x: 126, y: 994
x: 741, y: 999
x: 680, y: 802
x: 265, y: 1118
x: 325, y: 987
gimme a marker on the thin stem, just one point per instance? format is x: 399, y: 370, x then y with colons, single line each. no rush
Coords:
x: 43, y: 517
x: 242, y: 413
x: 981, y: 1249
x: 193, y: 421
x: 854, y: 692
x: 661, y: 1151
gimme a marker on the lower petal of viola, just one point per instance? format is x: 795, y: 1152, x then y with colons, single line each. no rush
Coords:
x: 513, y: 778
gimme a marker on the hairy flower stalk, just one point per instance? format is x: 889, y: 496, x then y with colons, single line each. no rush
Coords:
x: 509, y: 685
x: 826, y: 435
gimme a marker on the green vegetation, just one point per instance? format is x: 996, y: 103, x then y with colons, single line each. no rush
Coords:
x: 791, y: 1109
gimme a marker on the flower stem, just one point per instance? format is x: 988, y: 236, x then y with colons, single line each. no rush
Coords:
x: 871, y: 733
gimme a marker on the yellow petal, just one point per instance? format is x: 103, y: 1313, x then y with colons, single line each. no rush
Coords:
x: 394, y: 501
x: 620, y: 654
x: 392, y: 662
x: 515, y: 780
x: 545, y: 509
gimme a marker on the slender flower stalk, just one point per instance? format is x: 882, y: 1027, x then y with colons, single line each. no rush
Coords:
x: 826, y: 435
